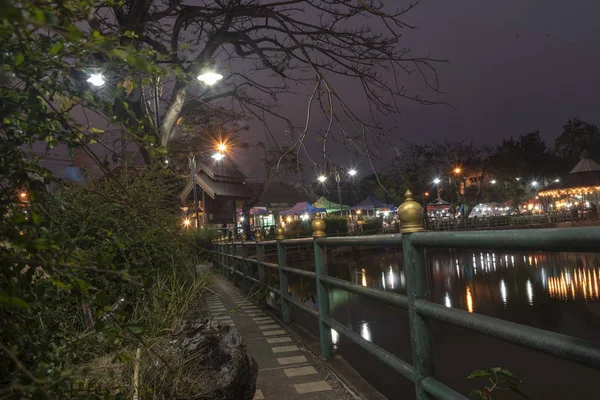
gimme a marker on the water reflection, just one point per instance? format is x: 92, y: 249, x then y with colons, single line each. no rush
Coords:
x: 503, y: 291
x: 365, y: 331
x: 447, y: 301
x: 559, y: 292
x: 335, y: 338
x: 469, y: 300
x: 463, y: 279
x: 566, y: 287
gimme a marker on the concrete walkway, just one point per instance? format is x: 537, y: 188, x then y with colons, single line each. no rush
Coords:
x: 286, y: 370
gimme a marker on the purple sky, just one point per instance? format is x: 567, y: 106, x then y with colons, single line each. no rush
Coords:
x: 515, y: 66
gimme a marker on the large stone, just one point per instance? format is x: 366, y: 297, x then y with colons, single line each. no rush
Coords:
x: 230, y: 374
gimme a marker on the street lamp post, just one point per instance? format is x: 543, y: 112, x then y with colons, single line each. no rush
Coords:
x: 193, y: 176
x: 337, y: 181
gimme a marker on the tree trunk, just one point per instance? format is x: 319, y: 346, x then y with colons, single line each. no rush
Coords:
x: 172, y: 113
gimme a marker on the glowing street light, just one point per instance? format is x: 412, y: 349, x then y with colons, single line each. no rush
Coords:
x: 534, y: 183
x: 96, y: 79
x: 457, y: 170
x: 493, y: 181
x: 218, y: 156
x: 322, y: 178
x: 557, y: 180
x: 352, y: 172
x: 437, y: 181
x: 210, y: 77
x: 222, y: 147
x: 187, y: 222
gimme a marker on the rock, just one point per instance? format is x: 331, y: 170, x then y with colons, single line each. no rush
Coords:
x: 221, y: 353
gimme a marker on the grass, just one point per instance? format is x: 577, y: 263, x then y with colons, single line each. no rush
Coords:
x: 163, y: 371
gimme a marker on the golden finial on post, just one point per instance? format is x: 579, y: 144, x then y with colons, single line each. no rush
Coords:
x: 258, y: 236
x: 279, y: 233
x: 244, y: 237
x: 232, y: 238
x: 410, y: 214
x: 318, y: 227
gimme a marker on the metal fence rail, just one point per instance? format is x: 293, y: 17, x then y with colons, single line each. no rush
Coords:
x: 232, y: 258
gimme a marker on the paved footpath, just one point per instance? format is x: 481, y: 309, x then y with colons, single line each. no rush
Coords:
x: 286, y: 370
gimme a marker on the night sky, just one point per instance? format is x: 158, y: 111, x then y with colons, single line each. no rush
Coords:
x: 515, y: 66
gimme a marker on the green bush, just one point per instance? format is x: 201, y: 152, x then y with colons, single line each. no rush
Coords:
x: 298, y: 228
x: 336, y: 226
x: 371, y: 225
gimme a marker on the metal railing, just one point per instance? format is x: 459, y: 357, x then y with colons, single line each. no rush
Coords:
x: 421, y: 311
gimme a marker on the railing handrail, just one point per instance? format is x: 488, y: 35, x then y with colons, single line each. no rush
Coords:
x: 420, y: 308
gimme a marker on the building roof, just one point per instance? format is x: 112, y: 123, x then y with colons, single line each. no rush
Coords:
x: 222, y: 170
x: 585, y: 177
x: 219, y: 178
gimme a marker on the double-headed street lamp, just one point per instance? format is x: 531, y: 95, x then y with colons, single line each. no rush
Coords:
x: 336, y: 174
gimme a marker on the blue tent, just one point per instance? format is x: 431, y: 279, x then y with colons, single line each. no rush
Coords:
x: 303, y: 208
x: 371, y: 204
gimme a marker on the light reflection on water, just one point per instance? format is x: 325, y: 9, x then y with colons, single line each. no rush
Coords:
x: 559, y: 292
x: 456, y: 280
x: 492, y: 283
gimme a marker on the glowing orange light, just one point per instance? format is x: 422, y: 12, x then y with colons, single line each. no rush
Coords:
x: 222, y: 147
x: 23, y: 195
x: 426, y: 194
x: 469, y: 300
x: 186, y: 222
x: 457, y: 170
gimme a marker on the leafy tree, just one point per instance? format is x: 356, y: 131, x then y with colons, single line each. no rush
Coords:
x: 270, y: 52
x: 578, y: 136
x: 47, y: 271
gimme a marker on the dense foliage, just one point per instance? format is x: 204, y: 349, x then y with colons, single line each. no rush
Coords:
x: 336, y: 226
x: 85, y: 270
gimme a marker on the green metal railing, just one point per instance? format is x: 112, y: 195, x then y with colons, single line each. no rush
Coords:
x: 421, y: 311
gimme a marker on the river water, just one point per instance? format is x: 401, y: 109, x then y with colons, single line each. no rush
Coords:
x: 553, y: 291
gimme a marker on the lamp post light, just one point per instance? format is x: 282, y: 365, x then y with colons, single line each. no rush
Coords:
x: 96, y: 79
x: 209, y: 77
x: 337, y: 181
x: 192, y: 160
x: 322, y: 178
x: 436, y: 182
x: 493, y: 181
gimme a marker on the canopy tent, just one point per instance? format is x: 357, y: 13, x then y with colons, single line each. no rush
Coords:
x: 329, y: 205
x: 303, y: 208
x: 370, y: 203
x: 438, y: 204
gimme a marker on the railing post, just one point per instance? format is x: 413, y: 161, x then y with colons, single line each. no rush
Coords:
x: 410, y: 214
x: 318, y: 227
x: 244, y: 254
x: 283, y: 281
x: 231, y: 259
x: 260, y: 258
